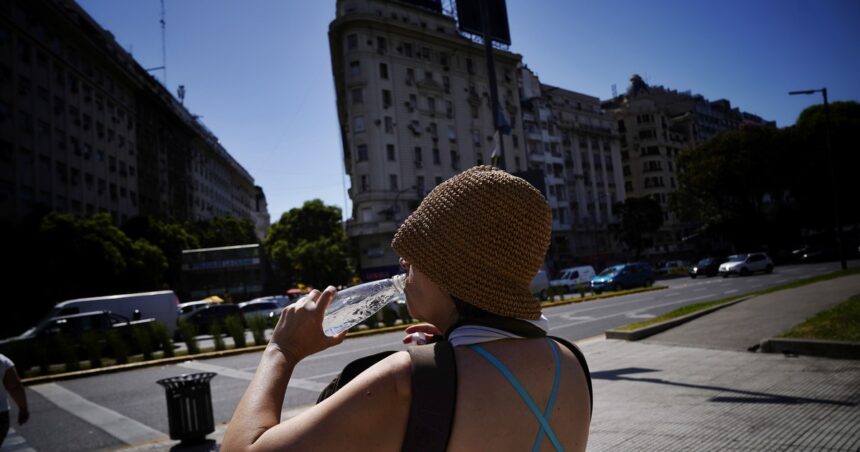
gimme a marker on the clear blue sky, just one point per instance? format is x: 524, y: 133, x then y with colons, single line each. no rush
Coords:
x: 258, y: 72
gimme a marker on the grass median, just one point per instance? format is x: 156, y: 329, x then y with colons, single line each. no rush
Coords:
x: 691, y: 308
x: 840, y: 323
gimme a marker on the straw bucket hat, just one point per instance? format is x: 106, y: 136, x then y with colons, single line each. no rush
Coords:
x: 482, y: 236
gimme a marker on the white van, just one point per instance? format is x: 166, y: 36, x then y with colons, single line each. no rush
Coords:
x: 161, y: 305
x: 573, y: 276
x: 540, y: 284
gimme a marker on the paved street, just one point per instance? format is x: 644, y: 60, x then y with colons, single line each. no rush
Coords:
x: 711, y: 386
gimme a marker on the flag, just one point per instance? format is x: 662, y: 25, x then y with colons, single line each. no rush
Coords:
x: 504, y: 127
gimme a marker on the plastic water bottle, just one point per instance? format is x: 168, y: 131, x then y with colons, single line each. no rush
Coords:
x: 354, y: 304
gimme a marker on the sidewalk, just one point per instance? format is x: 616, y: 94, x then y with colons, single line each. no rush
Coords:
x: 696, y: 387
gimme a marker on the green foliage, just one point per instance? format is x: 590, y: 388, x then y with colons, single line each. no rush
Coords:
x: 217, y: 336
x: 761, y: 186
x: 223, y: 231
x: 236, y: 330
x: 188, y: 333
x: 162, y: 338
x: 142, y: 341
x: 91, y: 343
x: 840, y: 323
x: 640, y: 217
x: 308, y: 245
x: 258, y: 325
x: 170, y: 238
x: 67, y: 351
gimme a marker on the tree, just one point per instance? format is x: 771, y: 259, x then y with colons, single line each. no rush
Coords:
x: 170, y: 238
x: 730, y: 185
x: 640, y: 217
x: 223, y: 231
x: 308, y: 245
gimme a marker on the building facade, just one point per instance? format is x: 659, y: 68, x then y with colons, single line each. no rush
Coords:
x: 656, y: 124
x: 414, y: 109
x: 576, y: 145
x: 85, y: 129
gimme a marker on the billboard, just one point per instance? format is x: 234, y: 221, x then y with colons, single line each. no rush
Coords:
x: 469, y: 19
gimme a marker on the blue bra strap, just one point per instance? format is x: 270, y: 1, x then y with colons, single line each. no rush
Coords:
x: 522, y: 392
x: 552, y: 395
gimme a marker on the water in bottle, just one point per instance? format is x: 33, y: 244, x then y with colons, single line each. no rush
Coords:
x: 354, y: 304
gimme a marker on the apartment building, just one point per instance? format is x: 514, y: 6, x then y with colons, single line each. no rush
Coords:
x: 414, y: 109
x: 85, y: 129
x: 576, y: 145
x: 656, y: 124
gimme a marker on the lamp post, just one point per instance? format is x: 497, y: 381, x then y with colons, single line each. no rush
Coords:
x: 833, y: 189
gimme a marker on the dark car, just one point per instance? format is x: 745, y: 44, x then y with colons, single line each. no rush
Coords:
x: 203, y: 318
x: 709, y: 266
x: 623, y: 276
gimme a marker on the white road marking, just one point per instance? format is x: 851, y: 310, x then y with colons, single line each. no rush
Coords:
x: 297, y: 383
x: 15, y: 443
x: 730, y: 291
x: 120, y: 427
x: 574, y: 316
x: 633, y: 315
x: 686, y: 300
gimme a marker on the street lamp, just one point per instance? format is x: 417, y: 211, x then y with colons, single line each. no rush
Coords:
x: 833, y: 189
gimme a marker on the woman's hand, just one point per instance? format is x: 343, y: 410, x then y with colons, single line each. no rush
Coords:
x: 421, y: 334
x: 298, y: 333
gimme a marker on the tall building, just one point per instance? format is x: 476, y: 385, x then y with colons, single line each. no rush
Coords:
x: 576, y: 145
x: 656, y: 124
x: 85, y: 129
x: 414, y: 109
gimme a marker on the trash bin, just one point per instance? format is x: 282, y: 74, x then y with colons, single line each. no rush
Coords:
x: 189, y: 406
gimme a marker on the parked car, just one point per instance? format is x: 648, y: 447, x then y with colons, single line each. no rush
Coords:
x: 540, y: 284
x: 571, y: 277
x: 746, y: 264
x: 623, y: 276
x: 191, y: 306
x: 709, y: 266
x: 666, y: 267
x: 260, y: 308
x: 203, y: 319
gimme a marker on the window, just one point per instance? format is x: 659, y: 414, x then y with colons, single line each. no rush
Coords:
x: 389, y: 124
x: 470, y: 66
x: 364, y: 185
x: 352, y: 42
x: 446, y: 82
x: 455, y: 160
x: 410, y: 75
x: 419, y: 159
x: 419, y: 185
x: 389, y: 149
x: 386, y: 98
x: 452, y: 134
x: 383, y: 71
x: 356, y: 95
x: 431, y: 104
x: 392, y: 181
x: 449, y: 109
x: 381, y: 44
x: 436, y: 158
x: 358, y: 123
x: 407, y: 49
x: 428, y: 76
x: 354, y: 68
x: 361, y: 151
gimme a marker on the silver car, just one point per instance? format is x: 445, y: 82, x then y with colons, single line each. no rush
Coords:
x: 746, y: 264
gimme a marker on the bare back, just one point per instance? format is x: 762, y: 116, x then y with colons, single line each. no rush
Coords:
x: 490, y: 414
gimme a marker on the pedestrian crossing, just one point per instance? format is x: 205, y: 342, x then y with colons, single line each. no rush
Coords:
x: 15, y: 443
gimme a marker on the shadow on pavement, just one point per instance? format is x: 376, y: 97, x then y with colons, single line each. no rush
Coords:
x: 202, y: 446
x: 745, y: 396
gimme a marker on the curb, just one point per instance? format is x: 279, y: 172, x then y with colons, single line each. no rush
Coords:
x: 575, y: 299
x: 811, y: 347
x: 642, y: 333
x: 179, y: 359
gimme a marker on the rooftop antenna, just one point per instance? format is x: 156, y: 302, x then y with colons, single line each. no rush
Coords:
x: 163, y: 66
x: 163, y: 43
x: 614, y: 90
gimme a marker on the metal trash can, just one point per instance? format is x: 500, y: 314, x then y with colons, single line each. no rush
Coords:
x: 189, y: 406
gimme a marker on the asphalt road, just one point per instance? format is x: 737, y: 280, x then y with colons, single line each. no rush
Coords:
x: 129, y: 408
